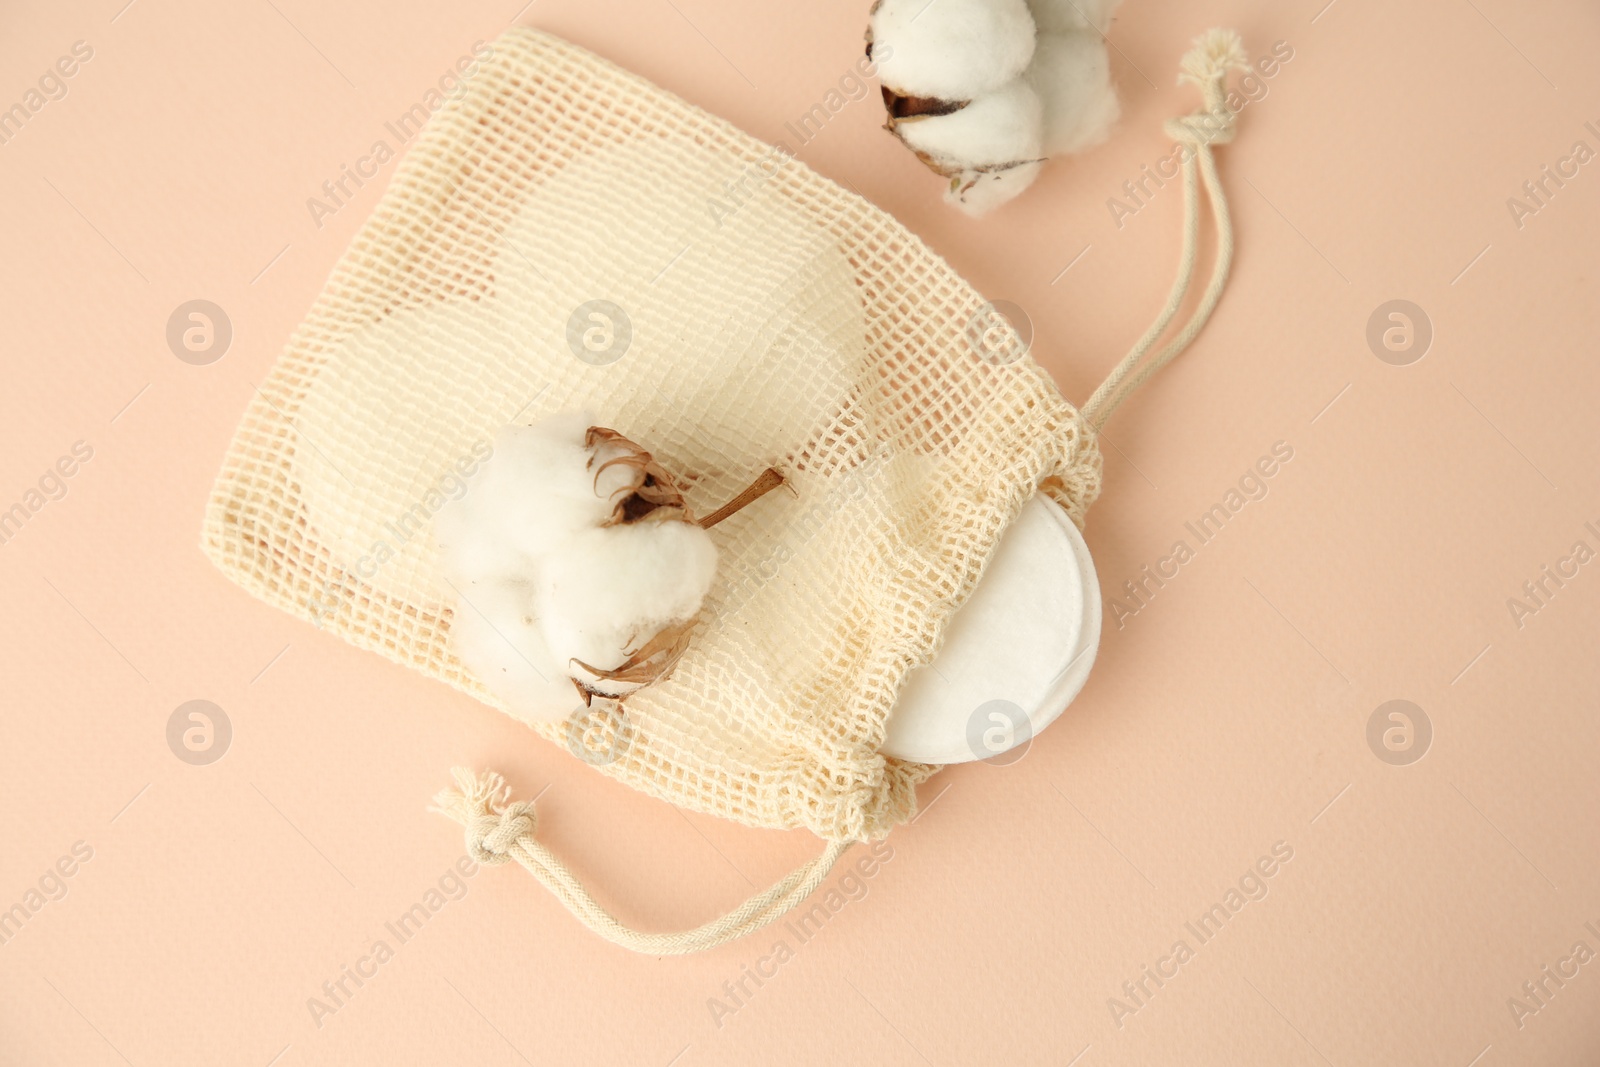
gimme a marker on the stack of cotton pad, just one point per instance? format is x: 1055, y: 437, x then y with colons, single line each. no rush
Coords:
x: 1015, y: 654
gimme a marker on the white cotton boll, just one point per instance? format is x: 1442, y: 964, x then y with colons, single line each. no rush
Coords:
x: 996, y: 128
x: 979, y: 192
x: 496, y: 636
x: 610, y: 590
x: 566, y: 561
x: 957, y: 96
x: 992, y: 148
x: 534, y: 492
x: 1056, y: 16
x: 1072, y: 76
x: 950, y: 49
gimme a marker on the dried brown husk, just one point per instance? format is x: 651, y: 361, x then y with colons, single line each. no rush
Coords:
x: 911, y: 108
x: 901, y: 108
x: 977, y: 172
x: 653, y: 497
x: 653, y: 661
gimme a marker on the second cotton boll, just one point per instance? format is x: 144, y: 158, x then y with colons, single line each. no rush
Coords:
x: 578, y: 567
x: 984, y: 91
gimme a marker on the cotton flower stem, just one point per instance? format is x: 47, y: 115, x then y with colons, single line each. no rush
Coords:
x: 769, y: 480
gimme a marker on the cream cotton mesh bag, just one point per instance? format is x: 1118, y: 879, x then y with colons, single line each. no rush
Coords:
x: 563, y: 235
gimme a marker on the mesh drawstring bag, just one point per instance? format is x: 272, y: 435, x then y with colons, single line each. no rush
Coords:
x: 565, y: 235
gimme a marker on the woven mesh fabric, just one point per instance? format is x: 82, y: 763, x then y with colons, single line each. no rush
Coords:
x: 773, y: 319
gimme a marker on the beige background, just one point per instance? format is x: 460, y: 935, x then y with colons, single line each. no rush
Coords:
x: 1227, y: 715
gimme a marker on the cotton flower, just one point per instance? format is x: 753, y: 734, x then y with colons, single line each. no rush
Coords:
x: 497, y: 637
x: 961, y: 50
x: 536, y: 490
x: 572, y: 554
x: 984, y: 91
x: 579, y: 567
x: 991, y: 148
x: 614, y: 589
x: 1071, y: 72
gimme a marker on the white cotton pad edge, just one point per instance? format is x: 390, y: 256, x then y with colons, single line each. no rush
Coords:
x: 1028, y: 634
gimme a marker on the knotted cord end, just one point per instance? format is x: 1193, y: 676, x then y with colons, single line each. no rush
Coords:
x: 1211, y: 56
x: 473, y: 795
x: 494, y: 823
x: 1206, y: 66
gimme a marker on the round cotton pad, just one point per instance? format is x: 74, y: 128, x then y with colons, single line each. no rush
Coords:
x: 1020, y: 648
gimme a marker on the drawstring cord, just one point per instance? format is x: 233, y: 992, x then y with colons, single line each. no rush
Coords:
x: 1206, y: 65
x: 499, y: 830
